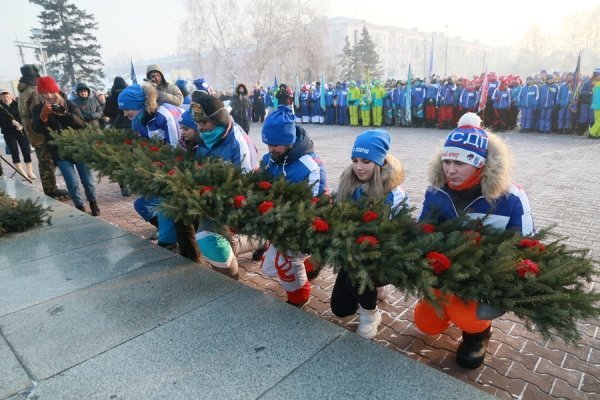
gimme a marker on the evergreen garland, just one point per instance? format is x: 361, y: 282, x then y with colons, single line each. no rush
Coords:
x: 21, y: 215
x: 539, y: 279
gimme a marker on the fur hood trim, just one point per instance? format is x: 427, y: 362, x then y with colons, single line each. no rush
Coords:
x: 151, y: 95
x: 496, y: 179
x: 392, y: 173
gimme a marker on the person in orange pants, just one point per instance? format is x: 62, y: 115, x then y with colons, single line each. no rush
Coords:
x: 470, y: 175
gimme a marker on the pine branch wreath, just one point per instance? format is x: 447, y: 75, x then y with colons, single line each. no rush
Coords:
x: 21, y: 215
x: 538, y: 278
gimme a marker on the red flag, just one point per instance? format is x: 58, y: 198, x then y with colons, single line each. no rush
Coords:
x: 483, y: 92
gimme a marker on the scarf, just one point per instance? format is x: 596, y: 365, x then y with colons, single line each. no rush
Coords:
x: 470, y: 182
x: 210, y: 138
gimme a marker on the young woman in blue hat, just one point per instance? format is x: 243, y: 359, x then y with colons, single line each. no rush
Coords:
x: 373, y: 174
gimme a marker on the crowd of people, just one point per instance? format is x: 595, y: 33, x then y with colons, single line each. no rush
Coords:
x: 469, y: 175
x: 545, y: 102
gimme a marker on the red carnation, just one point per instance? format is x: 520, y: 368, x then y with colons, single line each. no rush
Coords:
x: 527, y: 267
x: 265, y: 206
x: 264, y: 185
x: 531, y: 243
x: 315, y: 200
x: 372, y: 240
x: 171, y: 172
x: 320, y: 225
x: 238, y: 201
x: 474, y: 236
x: 179, y: 158
x: 205, y: 189
x: 199, y: 165
x: 438, y: 261
x: 158, y: 164
x: 154, y: 149
x: 128, y: 141
x: 99, y: 143
x: 369, y: 216
x: 428, y: 228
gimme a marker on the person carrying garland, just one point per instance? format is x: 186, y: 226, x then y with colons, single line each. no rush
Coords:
x: 471, y: 175
x: 374, y: 174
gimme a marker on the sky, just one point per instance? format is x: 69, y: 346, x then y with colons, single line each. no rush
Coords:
x: 146, y: 28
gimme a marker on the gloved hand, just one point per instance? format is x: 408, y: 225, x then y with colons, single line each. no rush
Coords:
x: 46, y: 111
x: 487, y: 311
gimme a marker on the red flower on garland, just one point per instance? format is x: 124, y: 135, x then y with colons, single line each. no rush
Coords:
x: 158, y: 164
x: 531, y: 243
x: 527, y: 267
x: 315, y: 200
x: 265, y: 206
x: 474, y: 236
x: 438, y: 261
x: 264, y: 185
x: 171, y: 172
x: 369, y: 216
x: 199, y: 166
x: 128, y: 141
x: 143, y: 143
x: 238, y: 201
x: 179, y: 158
x: 205, y: 189
x: 320, y: 225
x: 428, y: 228
x: 372, y: 240
x: 99, y: 143
x: 154, y: 149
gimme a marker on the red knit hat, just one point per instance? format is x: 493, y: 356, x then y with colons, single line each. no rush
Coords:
x: 46, y: 84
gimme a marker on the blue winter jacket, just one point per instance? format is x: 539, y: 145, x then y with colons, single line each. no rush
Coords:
x: 529, y: 97
x: 501, y: 99
x: 548, y: 95
x: 510, y: 211
x: 300, y: 164
x: 233, y: 147
x: 564, y: 95
x: 160, y: 125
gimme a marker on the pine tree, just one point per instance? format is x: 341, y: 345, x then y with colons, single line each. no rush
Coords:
x: 366, y: 59
x: 73, y: 52
x: 346, y: 61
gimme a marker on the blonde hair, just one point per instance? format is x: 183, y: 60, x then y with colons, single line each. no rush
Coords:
x: 374, y: 188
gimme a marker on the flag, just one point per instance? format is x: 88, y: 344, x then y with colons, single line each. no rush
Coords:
x: 132, y: 74
x: 368, y: 85
x: 483, y: 92
x: 297, y: 93
x: 275, y: 85
x: 408, y: 98
x: 429, y: 73
x: 575, y: 88
x: 322, y: 102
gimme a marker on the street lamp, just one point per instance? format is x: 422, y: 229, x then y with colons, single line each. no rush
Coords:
x: 37, y: 35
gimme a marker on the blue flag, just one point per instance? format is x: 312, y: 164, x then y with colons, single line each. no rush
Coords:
x: 322, y: 102
x: 408, y: 98
x: 132, y: 74
x: 275, y: 85
x: 575, y: 84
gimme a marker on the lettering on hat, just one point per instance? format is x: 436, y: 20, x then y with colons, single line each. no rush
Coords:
x: 470, y: 138
x: 360, y: 150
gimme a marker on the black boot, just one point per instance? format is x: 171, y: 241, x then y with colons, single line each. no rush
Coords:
x: 80, y: 208
x: 471, y: 352
x: 94, y: 207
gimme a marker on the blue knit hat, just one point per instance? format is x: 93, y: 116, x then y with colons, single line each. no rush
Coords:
x: 279, y: 128
x: 372, y: 145
x: 132, y: 98
x: 187, y: 120
x: 467, y: 144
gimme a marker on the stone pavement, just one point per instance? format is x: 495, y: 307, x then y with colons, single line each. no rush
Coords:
x: 559, y: 174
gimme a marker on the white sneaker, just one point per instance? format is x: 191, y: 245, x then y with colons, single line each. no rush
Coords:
x: 368, y: 322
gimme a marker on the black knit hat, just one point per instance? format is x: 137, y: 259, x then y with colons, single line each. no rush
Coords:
x: 118, y: 84
x: 30, y: 74
x: 206, y: 107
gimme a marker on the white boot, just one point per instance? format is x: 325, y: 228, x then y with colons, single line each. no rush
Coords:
x: 19, y: 167
x: 28, y: 167
x: 368, y: 322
